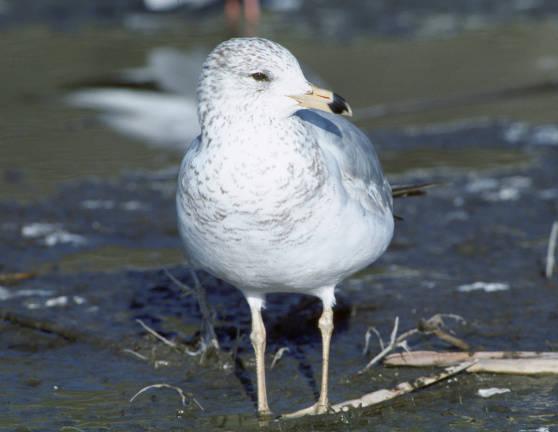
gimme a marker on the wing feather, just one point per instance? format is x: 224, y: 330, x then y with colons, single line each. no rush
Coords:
x: 355, y: 156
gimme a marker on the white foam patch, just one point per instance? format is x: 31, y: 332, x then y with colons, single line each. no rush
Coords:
x: 545, y: 135
x: 481, y: 184
x: 505, y: 189
x: 109, y: 205
x: 51, y: 234
x: 57, y: 301
x: 163, y: 5
x: 484, y: 286
x: 548, y: 194
x: 493, y: 391
x: 97, y: 204
x: 7, y: 294
x: 60, y: 301
x: 133, y: 206
x: 538, y: 135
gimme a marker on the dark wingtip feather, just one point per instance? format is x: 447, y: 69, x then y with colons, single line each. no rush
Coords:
x: 411, y: 190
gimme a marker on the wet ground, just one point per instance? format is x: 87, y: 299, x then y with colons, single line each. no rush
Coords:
x: 90, y: 214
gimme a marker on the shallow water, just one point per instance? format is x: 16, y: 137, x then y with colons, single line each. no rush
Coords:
x: 91, y: 212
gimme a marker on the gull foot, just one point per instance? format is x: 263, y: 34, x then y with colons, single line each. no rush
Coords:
x: 321, y: 408
x: 316, y: 409
x: 265, y: 415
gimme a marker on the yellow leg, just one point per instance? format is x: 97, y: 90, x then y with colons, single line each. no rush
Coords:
x: 326, y: 328
x: 258, y: 342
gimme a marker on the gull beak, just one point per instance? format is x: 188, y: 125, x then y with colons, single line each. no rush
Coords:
x: 324, y: 100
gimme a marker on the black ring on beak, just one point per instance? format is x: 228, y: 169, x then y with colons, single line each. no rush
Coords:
x: 339, y: 105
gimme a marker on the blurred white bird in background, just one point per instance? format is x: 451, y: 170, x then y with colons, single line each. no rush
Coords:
x: 155, y: 104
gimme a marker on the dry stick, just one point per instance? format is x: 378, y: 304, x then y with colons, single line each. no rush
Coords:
x: 278, y: 356
x: 209, y: 339
x: 135, y: 354
x: 170, y: 343
x: 367, y: 339
x: 517, y: 366
x: 522, y: 362
x: 14, y: 278
x: 383, y: 395
x: 183, y: 396
x: 430, y: 326
x: 435, y: 358
x: 394, y: 341
x: 156, y: 335
x: 550, y: 253
x: 187, y: 290
x: 434, y: 325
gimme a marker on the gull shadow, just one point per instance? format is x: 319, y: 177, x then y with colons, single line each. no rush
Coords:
x: 244, y: 378
x: 306, y: 370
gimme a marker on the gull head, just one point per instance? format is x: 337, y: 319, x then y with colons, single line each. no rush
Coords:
x: 255, y: 77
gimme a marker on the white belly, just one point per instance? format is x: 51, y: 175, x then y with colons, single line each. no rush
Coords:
x: 322, y: 243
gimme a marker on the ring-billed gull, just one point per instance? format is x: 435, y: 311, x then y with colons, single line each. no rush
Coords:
x: 278, y: 193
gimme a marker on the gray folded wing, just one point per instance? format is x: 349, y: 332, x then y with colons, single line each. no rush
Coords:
x: 355, y: 155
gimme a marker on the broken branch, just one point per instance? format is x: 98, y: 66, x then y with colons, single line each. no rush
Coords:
x: 383, y: 395
x: 156, y: 335
x: 432, y: 325
x: 521, y: 363
x: 180, y: 392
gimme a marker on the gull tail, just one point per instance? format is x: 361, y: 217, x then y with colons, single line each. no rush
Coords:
x: 411, y: 190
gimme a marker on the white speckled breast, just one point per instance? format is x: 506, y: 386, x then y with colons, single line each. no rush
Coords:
x: 278, y: 215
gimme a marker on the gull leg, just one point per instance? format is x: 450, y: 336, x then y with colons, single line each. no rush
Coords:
x: 326, y: 328
x: 257, y: 336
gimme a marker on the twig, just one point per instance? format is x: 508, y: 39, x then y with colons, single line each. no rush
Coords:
x: 13, y: 278
x: 367, y: 339
x: 383, y: 395
x: 278, y: 356
x: 135, y: 354
x: 187, y: 290
x: 394, y: 342
x: 435, y: 358
x: 194, y: 353
x: 208, y: 341
x: 181, y: 393
x: 389, y: 348
x: 432, y: 325
x: 551, y: 251
x: 517, y: 366
x: 522, y: 363
x: 156, y: 335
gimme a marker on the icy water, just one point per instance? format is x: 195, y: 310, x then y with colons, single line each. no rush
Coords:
x: 90, y: 213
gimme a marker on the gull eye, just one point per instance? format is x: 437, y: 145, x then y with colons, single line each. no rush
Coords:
x: 260, y: 76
